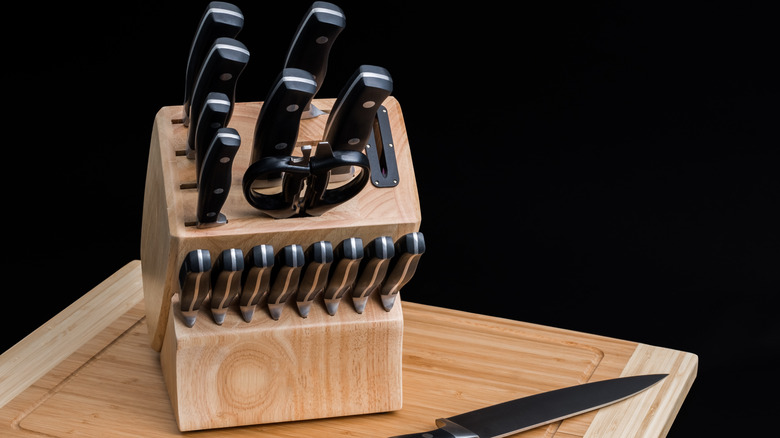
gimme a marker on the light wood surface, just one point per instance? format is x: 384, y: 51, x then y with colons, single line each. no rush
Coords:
x: 111, y: 384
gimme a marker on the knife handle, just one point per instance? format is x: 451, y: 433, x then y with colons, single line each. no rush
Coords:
x: 319, y: 257
x: 213, y: 116
x: 225, y: 282
x: 219, y: 20
x: 285, y: 277
x: 311, y: 44
x: 276, y: 130
x: 216, y: 177
x: 408, y: 251
x: 256, y: 280
x: 351, y: 120
x: 347, y: 256
x: 373, y: 269
x: 195, y: 283
x: 219, y: 73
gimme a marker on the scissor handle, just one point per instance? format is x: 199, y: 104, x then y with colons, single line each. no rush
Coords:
x: 278, y: 205
x: 319, y: 198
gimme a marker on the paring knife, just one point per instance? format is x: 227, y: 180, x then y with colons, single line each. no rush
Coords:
x: 319, y: 257
x: 408, y: 250
x: 346, y: 261
x: 219, y: 20
x: 219, y: 73
x: 285, y: 277
x: 225, y: 282
x: 310, y: 47
x: 527, y: 413
x: 373, y: 269
x: 195, y: 283
x: 216, y: 176
x: 256, y: 278
x: 213, y: 117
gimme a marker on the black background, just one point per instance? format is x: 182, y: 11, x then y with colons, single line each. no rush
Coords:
x: 605, y: 167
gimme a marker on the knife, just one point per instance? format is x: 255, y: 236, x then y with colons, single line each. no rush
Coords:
x: 347, y: 257
x: 373, y: 269
x: 195, y: 283
x: 285, y: 277
x: 256, y: 278
x: 311, y: 45
x: 213, y: 116
x: 219, y: 73
x: 408, y: 250
x: 220, y: 20
x: 276, y: 130
x: 216, y: 176
x: 225, y: 282
x: 527, y: 413
x: 319, y: 257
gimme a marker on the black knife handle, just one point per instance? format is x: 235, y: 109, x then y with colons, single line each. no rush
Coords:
x: 219, y: 73
x: 351, y: 120
x: 285, y: 278
x: 213, y: 116
x: 195, y: 283
x: 277, y: 125
x: 219, y: 20
x: 373, y: 268
x: 310, y: 47
x: 225, y: 282
x: 408, y: 251
x: 216, y: 176
x: 347, y: 257
x: 319, y: 257
x: 256, y: 279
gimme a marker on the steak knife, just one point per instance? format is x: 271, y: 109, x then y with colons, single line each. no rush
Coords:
x: 219, y: 73
x: 373, y: 269
x: 256, y: 278
x: 408, y: 251
x: 225, y: 282
x: 530, y: 412
x: 219, y: 20
x: 216, y: 176
x: 346, y: 258
x: 319, y: 257
x: 195, y: 283
x: 285, y: 277
x: 310, y: 47
x: 213, y: 116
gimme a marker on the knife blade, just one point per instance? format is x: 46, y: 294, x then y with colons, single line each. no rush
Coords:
x: 225, y: 282
x: 373, y: 268
x: 346, y: 256
x: 319, y: 257
x: 311, y: 44
x: 213, y: 116
x: 219, y: 73
x: 216, y: 177
x: 285, y: 277
x: 526, y: 413
x: 408, y: 250
x: 195, y: 283
x: 256, y: 280
x: 219, y: 20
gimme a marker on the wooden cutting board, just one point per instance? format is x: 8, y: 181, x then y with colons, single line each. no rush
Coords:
x: 91, y: 372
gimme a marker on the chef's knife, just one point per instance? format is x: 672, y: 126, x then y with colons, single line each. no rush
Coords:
x: 373, y: 269
x: 311, y: 45
x: 216, y: 177
x: 346, y: 261
x: 213, y: 116
x: 319, y: 257
x: 527, y: 413
x: 195, y: 283
x: 219, y: 20
x: 256, y: 278
x: 408, y: 250
x: 225, y: 282
x: 219, y: 73
x: 285, y: 277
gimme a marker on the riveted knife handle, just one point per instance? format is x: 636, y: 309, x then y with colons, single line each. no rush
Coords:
x: 195, y: 283
x: 351, y: 120
x: 373, y: 269
x: 213, y: 116
x: 319, y: 257
x: 311, y: 44
x: 256, y: 279
x: 216, y: 177
x: 285, y: 276
x: 408, y: 251
x: 347, y: 256
x: 225, y: 282
x: 219, y: 20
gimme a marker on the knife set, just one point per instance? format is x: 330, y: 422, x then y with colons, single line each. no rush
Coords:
x: 260, y: 218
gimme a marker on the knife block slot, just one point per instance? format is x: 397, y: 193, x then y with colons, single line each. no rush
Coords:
x: 268, y: 370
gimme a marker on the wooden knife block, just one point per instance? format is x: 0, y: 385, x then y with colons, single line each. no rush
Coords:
x: 268, y: 370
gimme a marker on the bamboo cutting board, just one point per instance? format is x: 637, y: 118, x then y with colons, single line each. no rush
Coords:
x: 91, y: 372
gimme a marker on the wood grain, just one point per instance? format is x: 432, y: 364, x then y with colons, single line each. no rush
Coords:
x: 453, y: 362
